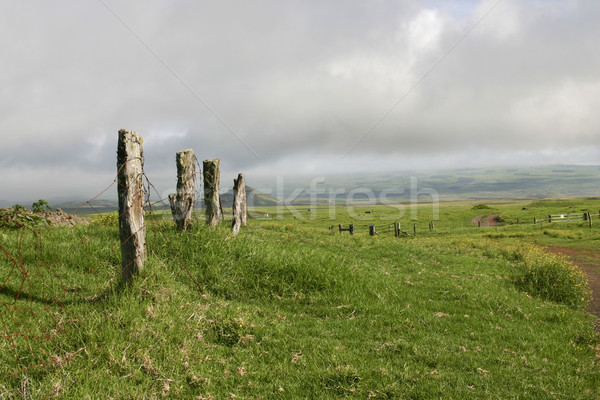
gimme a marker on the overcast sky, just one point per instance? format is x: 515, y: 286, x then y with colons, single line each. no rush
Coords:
x: 293, y: 87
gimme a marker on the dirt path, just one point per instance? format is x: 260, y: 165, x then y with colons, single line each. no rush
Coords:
x: 490, y: 220
x: 590, y: 265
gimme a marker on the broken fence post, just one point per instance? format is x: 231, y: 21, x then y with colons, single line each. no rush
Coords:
x: 130, y: 191
x: 182, y: 204
x: 372, y: 231
x: 239, y: 203
x: 212, y: 202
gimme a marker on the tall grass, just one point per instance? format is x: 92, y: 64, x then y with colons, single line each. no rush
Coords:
x: 285, y: 310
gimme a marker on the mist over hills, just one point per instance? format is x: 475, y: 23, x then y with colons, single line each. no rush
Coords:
x: 491, y: 183
x: 530, y: 182
x: 255, y: 198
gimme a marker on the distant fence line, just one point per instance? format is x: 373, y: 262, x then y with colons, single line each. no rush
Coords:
x: 451, y: 228
x: 577, y: 217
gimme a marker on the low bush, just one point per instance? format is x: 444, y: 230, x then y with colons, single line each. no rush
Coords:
x: 563, y: 234
x: 548, y: 275
x: 18, y: 216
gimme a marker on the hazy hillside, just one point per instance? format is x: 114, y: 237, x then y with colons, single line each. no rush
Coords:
x: 530, y: 182
x: 255, y: 197
x: 498, y: 183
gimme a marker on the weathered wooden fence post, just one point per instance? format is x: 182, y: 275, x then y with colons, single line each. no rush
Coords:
x: 211, y: 172
x: 182, y: 204
x: 239, y: 203
x: 372, y: 230
x: 351, y: 229
x: 415, y: 229
x: 130, y: 190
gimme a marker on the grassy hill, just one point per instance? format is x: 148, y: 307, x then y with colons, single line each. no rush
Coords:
x: 289, y: 309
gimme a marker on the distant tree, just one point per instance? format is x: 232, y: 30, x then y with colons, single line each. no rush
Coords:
x: 41, y: 206
x: 18, y: 208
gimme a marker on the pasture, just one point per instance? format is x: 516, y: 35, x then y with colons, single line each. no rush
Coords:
x: 291, y: 309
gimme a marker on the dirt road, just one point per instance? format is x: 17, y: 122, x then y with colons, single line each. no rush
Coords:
x: 490, y: 220
x: 590, y: 265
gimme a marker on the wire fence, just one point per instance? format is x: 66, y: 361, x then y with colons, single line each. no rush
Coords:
x: 49, y: 278
x: 42, y: 300
x: 445, y: 228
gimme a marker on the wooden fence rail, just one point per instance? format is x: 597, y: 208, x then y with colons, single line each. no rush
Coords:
x: 576, y: 217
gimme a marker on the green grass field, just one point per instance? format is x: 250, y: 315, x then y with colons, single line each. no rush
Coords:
x: 292, y: 310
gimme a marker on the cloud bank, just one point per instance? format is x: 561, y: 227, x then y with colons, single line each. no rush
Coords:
x: 288, y: 87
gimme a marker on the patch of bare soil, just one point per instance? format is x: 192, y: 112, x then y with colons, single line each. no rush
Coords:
x: 482, y: 220
x: 590, y: 265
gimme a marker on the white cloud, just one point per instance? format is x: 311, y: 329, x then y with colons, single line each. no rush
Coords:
x: 424, y: 31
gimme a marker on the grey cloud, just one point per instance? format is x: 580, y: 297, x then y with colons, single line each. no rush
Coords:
x: 294, y: 78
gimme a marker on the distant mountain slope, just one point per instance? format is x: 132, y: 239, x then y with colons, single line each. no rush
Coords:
x: 525, y: 182
x: 493, y: 183
x: 255, y: 198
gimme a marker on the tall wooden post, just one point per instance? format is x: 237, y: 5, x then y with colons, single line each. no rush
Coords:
x: 212, y: 202
x: 182, y: 204
x: 130, y: 190
x: 239, y: 203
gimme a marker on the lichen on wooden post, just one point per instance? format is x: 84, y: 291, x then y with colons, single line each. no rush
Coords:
x: 239, y: 203
x: 182, y: 204
x: 211, y: 172
x: 130, y: 190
